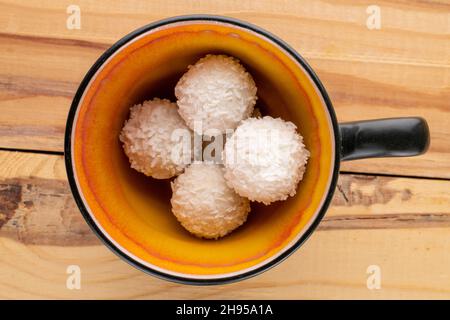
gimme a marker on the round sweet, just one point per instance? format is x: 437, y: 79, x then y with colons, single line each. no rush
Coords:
x: 150, y: 142
x: 265, y: 159
x: 204, y: 204
x: 217, y: 93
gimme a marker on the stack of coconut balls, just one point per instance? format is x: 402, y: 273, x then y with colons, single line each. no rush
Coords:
x: 263, y: 159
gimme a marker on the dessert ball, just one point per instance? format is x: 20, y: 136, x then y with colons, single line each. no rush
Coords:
x: 204, y: 204
x: 265, y: 159
x: 151, y: 143
x: 216, y: 92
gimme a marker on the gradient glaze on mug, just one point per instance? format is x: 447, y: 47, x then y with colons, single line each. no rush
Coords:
x: 134, y: 211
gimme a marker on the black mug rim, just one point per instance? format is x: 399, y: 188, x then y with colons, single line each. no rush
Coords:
x: 76, y: 193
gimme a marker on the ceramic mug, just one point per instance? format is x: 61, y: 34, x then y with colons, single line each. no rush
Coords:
x: 131, y: 212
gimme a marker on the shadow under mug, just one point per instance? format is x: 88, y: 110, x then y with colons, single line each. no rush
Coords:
x: 131, y: 213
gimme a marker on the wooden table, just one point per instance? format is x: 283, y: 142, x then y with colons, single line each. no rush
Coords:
x: 391, y: 213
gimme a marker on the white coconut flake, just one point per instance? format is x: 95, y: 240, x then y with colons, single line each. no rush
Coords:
x: 204, y: 204
x: 147, y: 139
x: 216, y: 92
x: 265, y: 159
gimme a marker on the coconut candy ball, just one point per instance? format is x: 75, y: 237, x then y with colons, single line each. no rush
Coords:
x: 216, y: 92
x: 265, y: 159
x: 148, y: 142
x: 204, y: 204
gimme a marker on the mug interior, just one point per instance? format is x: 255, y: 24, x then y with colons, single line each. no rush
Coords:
x: 133, y: 211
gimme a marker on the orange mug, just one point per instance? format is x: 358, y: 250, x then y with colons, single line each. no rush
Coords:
x: 131, y: 212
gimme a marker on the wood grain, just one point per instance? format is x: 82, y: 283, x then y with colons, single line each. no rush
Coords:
x: 332, y: 265
x: 400, y: 224
x: 401, y: 70
x: 36, y: 205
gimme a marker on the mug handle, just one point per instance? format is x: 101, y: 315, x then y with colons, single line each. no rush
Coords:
x: 394, y: 137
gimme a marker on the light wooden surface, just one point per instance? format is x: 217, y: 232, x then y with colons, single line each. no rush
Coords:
x: 394, y: 213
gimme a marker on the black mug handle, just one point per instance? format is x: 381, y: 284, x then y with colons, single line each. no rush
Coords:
x: 395, y: 137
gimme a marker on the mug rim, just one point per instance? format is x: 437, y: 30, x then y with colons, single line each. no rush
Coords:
x: 78, y: 198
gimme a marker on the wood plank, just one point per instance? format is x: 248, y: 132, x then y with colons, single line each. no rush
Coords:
x: 37, y: 205
x: 100, y: 23
x: 399, y: 224
x: 359, y: 92
x: 37, y: 82
x: 331, y: 265
x: 401, y: 70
